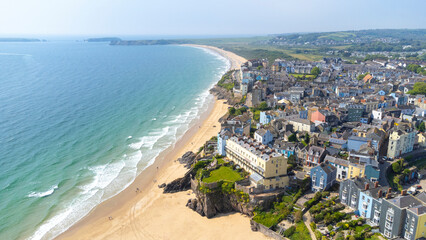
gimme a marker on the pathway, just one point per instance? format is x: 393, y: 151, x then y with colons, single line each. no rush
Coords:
x: 307, y: 219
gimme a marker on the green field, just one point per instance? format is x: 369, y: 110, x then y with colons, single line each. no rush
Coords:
x: 223, y: 174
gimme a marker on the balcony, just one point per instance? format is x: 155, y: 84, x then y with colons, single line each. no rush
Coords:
x: 388, y: 225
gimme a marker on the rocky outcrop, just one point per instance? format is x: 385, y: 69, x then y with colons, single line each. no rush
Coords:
x: 215, y: 202
x: 222, y: 93
x: 183, y: 183
x: 180, y: 184
x: 188, y: 159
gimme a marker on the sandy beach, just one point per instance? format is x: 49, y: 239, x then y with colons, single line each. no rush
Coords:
x: 150, y: 214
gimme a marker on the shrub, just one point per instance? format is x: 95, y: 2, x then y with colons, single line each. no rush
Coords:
x: 397, y: 167
x: 290, y: 231
x: 318, y: 234
x: 313, y: 226
x: 298, y: 216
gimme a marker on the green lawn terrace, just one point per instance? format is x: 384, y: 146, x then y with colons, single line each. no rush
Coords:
x: 226, y: 174
x: 217, y: 174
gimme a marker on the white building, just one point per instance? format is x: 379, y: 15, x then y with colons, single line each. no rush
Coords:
x: 264, y: 136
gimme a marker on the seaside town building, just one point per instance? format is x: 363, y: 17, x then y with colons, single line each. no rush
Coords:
x: 396, y: 215
x: 401, y: 141
x: 338, y: 127
x: 323, y: 177
x: 267, y: 167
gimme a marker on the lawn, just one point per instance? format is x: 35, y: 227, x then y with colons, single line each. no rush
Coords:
x: 302, y: 75
x: 302, y: 232
x: 223, y: 174
x: 374, y: 237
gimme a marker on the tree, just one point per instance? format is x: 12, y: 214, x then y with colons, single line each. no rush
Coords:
x: 315, y: 71
x: 298, y: 216
x: 231, y: 111
x: 291, y: 160
x: 422, y: 127
x: 396, y: 167
x: 292, y: 138
x: 263, y: 106
x: 418, y: 88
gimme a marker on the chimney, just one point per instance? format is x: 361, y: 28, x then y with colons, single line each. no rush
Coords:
x: 376, y: 184
x: 389, y: 190
x: 367, y: 186
x: 388, y: 195
x: 403, y: 192
x: 379, y: 194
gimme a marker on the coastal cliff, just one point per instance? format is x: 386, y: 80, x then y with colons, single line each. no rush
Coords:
x: 210, y: 204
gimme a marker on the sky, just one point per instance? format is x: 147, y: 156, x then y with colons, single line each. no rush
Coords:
x: 201, y: 17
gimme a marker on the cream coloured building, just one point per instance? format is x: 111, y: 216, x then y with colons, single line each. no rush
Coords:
x: 267, y: 167
x: 401, y: 140
x: 302, y: 125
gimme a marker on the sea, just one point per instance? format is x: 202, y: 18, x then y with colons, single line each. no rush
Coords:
x: 79, y: 121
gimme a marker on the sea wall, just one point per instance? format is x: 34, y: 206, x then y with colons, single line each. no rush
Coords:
x: 265, y: 230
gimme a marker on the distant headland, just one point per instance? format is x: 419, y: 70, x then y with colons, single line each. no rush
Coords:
x: 104, y: 39
x: 20, y: 40
x: 147, y: 42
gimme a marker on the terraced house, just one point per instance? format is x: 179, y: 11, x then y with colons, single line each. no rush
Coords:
x: 396, y: 215
x: 267, y: 167
x: 401, y: 140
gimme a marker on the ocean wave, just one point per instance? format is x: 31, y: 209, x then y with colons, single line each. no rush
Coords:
x: 218, y: 56
x: 43, y: 194
x: 15, y: 54
x: 107, y: 180
x: 150, y: 140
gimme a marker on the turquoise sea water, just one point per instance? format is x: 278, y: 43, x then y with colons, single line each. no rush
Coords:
x: 79, y: 121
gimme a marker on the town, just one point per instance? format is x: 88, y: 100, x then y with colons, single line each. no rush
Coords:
x: 320, y: 150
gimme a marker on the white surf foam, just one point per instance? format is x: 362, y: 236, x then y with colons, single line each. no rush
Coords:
x: 43, y: 194
x: 112, y: 178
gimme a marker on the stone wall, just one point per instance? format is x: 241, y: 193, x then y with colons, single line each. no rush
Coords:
x: 265, y: 230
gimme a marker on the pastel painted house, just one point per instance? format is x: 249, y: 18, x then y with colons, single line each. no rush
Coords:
x: 265, y: 118
x: 341, y: 165
x: 263, y: 136
x: 323, y: 177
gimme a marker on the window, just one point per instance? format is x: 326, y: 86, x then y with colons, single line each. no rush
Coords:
x: 387, y: 233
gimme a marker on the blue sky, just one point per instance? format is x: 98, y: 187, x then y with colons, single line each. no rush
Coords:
x: 200, y: 17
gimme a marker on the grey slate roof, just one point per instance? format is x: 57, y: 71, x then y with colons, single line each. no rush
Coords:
x: 405, y: 201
